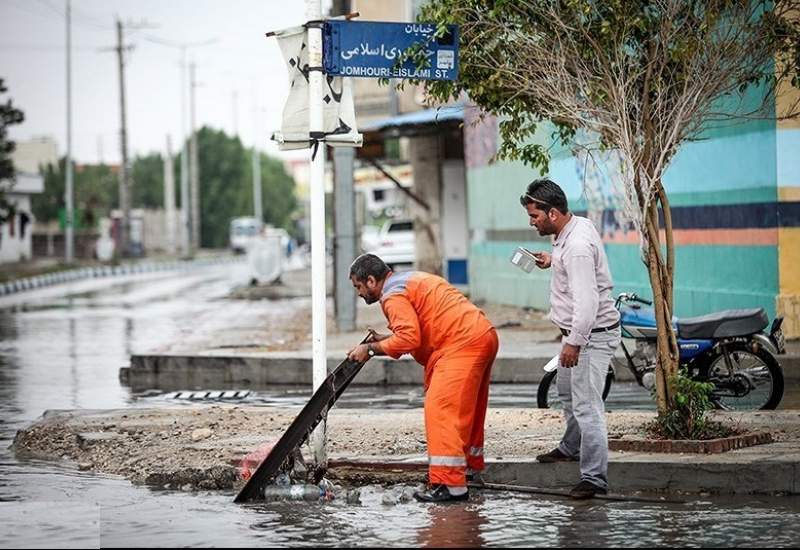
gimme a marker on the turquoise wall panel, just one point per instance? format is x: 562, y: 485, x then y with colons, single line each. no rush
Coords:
x: 494, y: 278
x: 733, y: 163
x: 709, y: 278
x: 788, y: 144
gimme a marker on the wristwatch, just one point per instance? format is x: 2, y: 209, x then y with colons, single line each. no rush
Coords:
x: 370, y: 351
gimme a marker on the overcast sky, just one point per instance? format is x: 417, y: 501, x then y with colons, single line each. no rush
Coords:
x: 33, y: 65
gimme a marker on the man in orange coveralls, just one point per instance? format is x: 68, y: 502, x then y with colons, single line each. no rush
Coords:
x: 453, y: 339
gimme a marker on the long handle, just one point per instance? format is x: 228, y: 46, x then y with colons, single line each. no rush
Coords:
x: 303, y: 424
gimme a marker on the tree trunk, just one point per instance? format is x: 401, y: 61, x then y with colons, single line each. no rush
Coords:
x: 661, y: 281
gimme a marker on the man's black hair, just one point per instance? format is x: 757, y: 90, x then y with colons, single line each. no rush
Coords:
x: 545, y: 194
x: 366, y: 265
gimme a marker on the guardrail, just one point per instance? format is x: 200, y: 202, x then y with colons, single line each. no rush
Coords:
x: 78, y: 274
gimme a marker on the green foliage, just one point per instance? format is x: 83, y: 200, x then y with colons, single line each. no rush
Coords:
x: 226, y: 178
x: 9, y: 115
x: 95, y: 191
x: 147, y: 174
x: 603, y: 40
x: 687, y: 419
x: 226, y: 188
x: 278, y: 195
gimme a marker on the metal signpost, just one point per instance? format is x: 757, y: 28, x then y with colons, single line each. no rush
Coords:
x: 374, y: 50
x: 343, y: 48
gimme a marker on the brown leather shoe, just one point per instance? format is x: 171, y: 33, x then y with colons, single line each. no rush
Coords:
x: 555, y: 456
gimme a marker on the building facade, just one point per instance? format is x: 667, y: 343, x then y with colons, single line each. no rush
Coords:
x: 735, y: 198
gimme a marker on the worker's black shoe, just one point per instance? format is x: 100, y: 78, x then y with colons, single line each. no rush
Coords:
x: 439, y: 493
x: 555, y: 456
x: 586, y: 489
x: 475, y: 478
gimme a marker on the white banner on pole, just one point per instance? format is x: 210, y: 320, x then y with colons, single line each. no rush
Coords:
x: 337, y: 100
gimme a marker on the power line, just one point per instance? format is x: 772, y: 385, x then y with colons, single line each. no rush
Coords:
x: 76, y: 16
x: 26, y: 8
x: 47, y: 10
x: 45, y: 47
x: 52, y: 8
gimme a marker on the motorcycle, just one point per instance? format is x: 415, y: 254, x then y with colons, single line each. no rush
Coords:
x: 730, y: 349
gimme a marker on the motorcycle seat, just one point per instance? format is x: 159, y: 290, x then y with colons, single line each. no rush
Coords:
x: 723, y: 324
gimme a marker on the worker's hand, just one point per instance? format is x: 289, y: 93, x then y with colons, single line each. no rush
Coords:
x: 543, y: 259
x: 569, y: 356
x: 359, y: 354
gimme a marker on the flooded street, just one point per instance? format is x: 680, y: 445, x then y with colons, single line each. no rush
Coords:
x: 64, y: 352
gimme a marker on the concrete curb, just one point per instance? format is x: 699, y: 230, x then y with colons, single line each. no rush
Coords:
x: 676, y: 473
x: 71, y: 275
x: 176, y: 372
x: 180, y: 372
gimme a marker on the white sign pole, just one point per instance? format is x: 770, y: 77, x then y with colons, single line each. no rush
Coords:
x: 318, y: 301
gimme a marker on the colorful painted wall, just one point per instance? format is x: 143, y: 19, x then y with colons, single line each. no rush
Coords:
x: 735, y: 199
x: 788, y: 160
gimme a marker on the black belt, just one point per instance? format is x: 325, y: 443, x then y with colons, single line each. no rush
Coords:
x: 565, y: 332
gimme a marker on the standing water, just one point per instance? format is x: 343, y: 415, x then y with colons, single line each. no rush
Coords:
x: 64, y: 352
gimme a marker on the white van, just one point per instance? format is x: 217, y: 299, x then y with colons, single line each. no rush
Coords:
x: 243, y: 232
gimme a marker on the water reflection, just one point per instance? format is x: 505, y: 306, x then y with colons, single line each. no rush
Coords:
x: 69, y: 356
x: 585, y: 524
x: 457, y: 525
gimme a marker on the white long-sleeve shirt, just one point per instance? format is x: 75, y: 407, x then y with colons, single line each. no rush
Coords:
x: 580, y: 286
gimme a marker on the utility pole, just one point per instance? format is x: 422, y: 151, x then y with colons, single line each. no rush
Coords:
x: 124, y: 183
x: 186, y: 224
x: 69, y: 235
x: 169, y: 198
x: 316, y: 129
x: 235, y: 101
x: 257, y: 204
x: 345, y: 238
x: 100, y: 155
x: 186, y: 209
x: 194, y: 169
x: 344, y: 222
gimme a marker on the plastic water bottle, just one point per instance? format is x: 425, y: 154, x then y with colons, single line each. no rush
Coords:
x: 309, y: 493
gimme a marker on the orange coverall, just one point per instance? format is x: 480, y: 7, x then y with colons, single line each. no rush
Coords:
x: 456, y: 343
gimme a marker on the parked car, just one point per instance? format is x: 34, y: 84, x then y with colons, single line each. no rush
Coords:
x: 370, y: 238
x: 396, y: 244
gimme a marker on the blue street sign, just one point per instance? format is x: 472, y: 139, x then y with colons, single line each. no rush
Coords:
x: 371, y: 50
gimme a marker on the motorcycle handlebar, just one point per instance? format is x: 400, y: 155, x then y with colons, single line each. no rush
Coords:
x: 624, y: 297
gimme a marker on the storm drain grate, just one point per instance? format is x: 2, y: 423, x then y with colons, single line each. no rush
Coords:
x: 209, y: 395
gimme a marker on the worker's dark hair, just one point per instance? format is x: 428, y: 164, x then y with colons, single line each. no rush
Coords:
x: 545, y: 194
x: 366, y: 265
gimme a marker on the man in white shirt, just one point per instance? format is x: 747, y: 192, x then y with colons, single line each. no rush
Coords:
x: 583, y: 309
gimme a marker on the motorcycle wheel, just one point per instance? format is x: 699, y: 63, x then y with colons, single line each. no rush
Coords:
x: 547, y: 394
x: 758, y: 370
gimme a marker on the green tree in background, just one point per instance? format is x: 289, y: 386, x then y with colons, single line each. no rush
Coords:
x: 226, y: 188
x: 9, y: 115
x: 277, y: 192
x: 147, y: 190
x: 95, y: 188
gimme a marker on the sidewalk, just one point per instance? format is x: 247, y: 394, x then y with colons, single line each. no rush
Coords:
x: 192, y: 448
x: 527, y: 342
